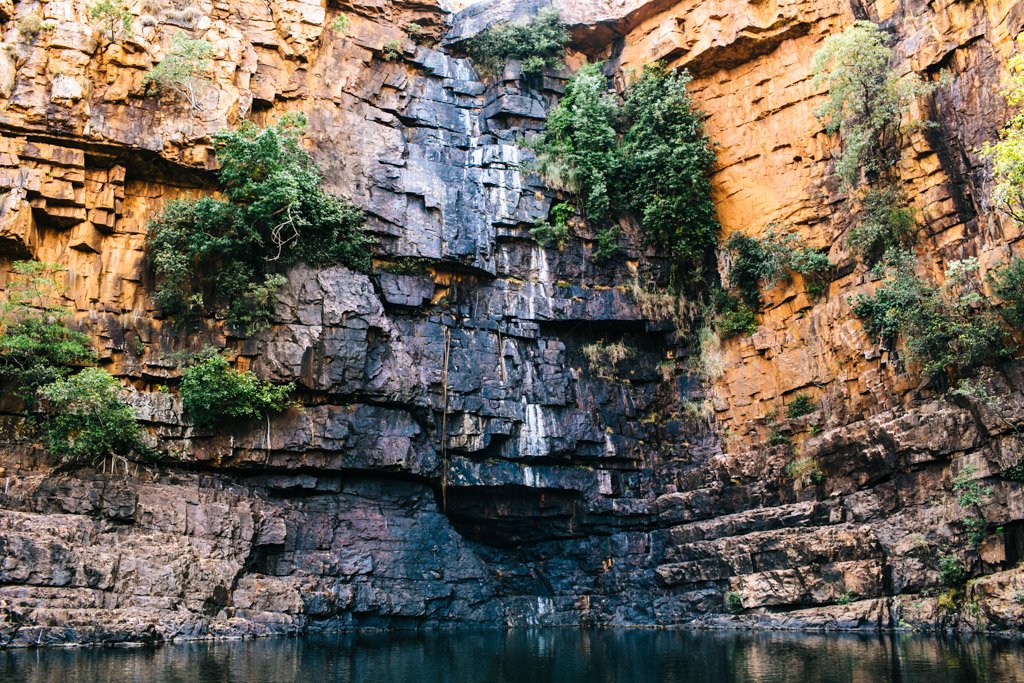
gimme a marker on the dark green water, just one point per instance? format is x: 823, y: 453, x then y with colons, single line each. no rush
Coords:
x: 533, y: 656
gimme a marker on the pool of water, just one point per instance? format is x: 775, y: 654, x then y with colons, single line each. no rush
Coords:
x: 533, y: 656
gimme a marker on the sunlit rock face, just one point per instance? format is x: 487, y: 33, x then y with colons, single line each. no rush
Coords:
x: 456, y: 457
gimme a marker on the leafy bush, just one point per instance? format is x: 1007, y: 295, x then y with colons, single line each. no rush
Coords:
x: 556, y: 231
x: 222, y: 255
x: 885, y: 223
x: 538, y: 44
x: 667, y: 158
x: 1008, y: 285
x: 579, y: 150
x: 763, y: 261
x: 802, y: 404
x: 866, y: 101
x: 341, y: 24
x: 805, y: 471
x: 733, y: 602
x: 113, y: 16
x: 86, y: 421
x: 1008, y: 153
x: 734, y: 317
x: 212, y: 391
x: 949, y: 329
x: 951, y: 570
x: 36, y: 345
x: 184, y: 69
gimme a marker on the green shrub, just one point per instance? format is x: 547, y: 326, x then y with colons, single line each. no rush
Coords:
x: 885, y: 223
x: 866, y: 100
x: 554, y: 232
x: 846, y: 598
x: 758, y: 262
x: 537, y: 44
x: 603, y: 358
x: 1008, y: 153
x: 341, y: 24
x: 733, y: 602
x: 667, y: 158
x: 224, y: 256
x: 212, y: 391
x: 802, y: 404
x: 36, y: 345
x: 184, y: 70
x: 948, y: 329
x: 951, y: 570
x: 734, y: 317
x: 392, y: 50
x: 113, y: 16
x: 579, y: 152
x: 1008, y: 285
x: 86, y: 421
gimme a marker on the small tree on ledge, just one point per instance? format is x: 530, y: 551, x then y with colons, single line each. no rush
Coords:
x: 184, y: 70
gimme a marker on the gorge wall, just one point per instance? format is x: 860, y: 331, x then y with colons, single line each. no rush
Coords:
x: 456, y: 459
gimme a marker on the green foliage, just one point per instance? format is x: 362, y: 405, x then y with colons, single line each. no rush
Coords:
x: 765, y: 261
x: 222, y: 255
x: 604, y: 358
x: 1008, y: 153
x: 579, y: 150
x: 667, y: 158
x: 948, y: 329
x: 86, y: 421
x: 36, y: 345
x: 416, y: 32
x: 971, y: 493
x: 184, y: 69
x: 885, y: 223
x: 733, y: 602
x: 1008, y: 285
x: 341, y: 24
x: 392, y: 50
x: 557, y: 230
x: 212, y: 391
x: 802, y: 404
x: 846, y: 598
x: 113, y: 15
x: 537, y: 44
x: 866, y: 101
x: 805, y: 471
x: 951, y: 570
x: 734, y: 317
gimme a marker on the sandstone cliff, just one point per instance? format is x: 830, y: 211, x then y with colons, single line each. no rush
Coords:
x: 455, y: 458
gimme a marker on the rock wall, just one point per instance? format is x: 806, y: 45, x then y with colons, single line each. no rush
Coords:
x: 455, y: 457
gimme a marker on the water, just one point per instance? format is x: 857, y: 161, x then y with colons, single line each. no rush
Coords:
x: 533, y: 656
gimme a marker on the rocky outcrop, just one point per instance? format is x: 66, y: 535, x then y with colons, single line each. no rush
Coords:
x: 455, y: 457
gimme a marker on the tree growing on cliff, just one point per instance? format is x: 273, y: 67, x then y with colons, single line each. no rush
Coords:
x: 579, y: 152
x: 1008, y: 153
x: 668, y: 158
x: 225, y: 256
x: 537, y: 44
x: 867, y: 103
x: 85, y: 419
x: 184, y: 70
x: 113, y: 16
x: 212, y: 391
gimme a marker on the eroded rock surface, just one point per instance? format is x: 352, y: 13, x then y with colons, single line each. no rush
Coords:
x: 455, y: 457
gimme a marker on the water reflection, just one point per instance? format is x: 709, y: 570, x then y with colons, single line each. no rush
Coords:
x: 534, y: 656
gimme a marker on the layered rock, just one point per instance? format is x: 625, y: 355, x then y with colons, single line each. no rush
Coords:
x: 455, y: 457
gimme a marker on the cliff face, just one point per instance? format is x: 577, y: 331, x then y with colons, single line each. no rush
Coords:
x: 456, y: 458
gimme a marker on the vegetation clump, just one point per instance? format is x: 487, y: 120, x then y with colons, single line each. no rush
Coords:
x: 648, y: 154
x: 185, y: 69
x: 758, y: 262
x: 537, y: 44
x: 802, y: 404
x: 556, y: 230
x: 1007, y: 153
x: 36, y: 345
x: 948, y: 330
x: 951, y: 570
x: 225, y: 256
x: 604, y: 358
x: 805, y: 471
x: 212, y: 391
x: 735, y: 318
x: 85, y: 419
x: 113, y: 16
